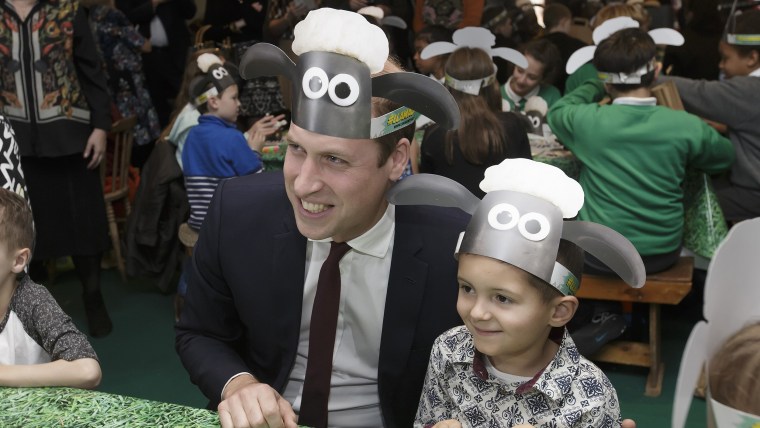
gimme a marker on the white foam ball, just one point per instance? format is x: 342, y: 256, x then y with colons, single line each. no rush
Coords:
x: 206, y: 60
x: 343, y: 32
x: 538, y: 179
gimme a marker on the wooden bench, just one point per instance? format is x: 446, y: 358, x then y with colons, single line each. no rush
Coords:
x: 663, y: 288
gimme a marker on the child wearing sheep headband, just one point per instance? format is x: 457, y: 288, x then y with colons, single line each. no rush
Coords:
x: 340, y: 56
x: 519, y: 267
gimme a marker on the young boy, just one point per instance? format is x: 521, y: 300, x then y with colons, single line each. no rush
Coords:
x: 215, y: 149
x: 513, y: 362
x: 39, y: 344
x: 635, y: 153
x: 733, y: 102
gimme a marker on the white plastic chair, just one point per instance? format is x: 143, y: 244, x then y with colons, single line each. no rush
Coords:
x: 731, y: 299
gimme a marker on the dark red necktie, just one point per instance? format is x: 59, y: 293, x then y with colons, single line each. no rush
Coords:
x: 324, y: 322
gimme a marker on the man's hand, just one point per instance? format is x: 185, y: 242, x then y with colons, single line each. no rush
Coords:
x: 248, y: 403
x: 628, y: 423
x: 96, y: 148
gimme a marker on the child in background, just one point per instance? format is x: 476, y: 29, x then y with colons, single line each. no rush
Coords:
x: 39, y: 344
x: 588, y: 71
x: 634, y: 155
x: 734, y: 377
x: 486, y: 135
x: 216, y: 149
x: 535, y: 80
x: 513, y: 362
x: 733, y: 102
x: 433, y: 67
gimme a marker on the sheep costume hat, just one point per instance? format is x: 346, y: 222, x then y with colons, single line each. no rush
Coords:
x: 216, y: 73
x: 520, y: 220
x: 660, y: 36
x: 338, y: 51
x: 473, y: 37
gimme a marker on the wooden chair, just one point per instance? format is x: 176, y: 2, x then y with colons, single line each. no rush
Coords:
x: 114, y: 175
x: 662, y: 288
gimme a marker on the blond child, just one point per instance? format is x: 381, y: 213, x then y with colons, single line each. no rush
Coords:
x: 39, y: 344
x: 514, y: 362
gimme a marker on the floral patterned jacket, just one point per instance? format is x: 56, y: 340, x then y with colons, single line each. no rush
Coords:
x: 570, y: 392
x: 52, y: 87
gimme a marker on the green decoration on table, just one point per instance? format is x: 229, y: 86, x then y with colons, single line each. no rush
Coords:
x: 704, y: 224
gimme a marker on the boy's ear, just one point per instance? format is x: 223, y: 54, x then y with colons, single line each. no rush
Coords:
x: 20, y: 260
x: 754, y: 59
x: 564, y: 309
x: 213, y: 103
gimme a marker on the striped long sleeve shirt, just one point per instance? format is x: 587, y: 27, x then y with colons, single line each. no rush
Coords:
x: 214, y: 150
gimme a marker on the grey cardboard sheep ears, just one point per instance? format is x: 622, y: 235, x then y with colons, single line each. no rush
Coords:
x: 522, y: 229
x: 332, y: 92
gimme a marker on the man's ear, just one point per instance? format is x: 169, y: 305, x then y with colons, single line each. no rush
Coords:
x: 564, y: 309
x: 399, y: 158
x: 20, y: 260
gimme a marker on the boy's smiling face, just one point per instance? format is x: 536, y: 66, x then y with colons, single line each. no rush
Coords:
x: 505, y: 313
x: 733, y: 63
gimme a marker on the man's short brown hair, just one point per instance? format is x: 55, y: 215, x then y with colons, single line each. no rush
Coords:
x: 381, y: 106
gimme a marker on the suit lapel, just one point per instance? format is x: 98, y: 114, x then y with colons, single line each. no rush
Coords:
x: 288, y: 275
x: 406, y: 290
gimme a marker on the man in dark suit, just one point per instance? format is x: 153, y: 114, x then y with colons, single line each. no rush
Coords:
x: 164, y: 23
x: 245, y: 334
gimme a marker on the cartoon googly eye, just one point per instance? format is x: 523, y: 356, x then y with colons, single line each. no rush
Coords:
x: 219, y: 73
x: 353, y: 89
x: 315, y: 83
x: 497, y: 215
x: 543, y: 226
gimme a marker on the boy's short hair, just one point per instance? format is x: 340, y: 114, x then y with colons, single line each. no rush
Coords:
x: 570, y: 256
x: 747, y: 23
x: 554, y: 14
x: 626, y: 51
x: 16, y: 224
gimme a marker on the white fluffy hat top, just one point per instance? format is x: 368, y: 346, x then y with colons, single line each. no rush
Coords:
x: 342, y: 32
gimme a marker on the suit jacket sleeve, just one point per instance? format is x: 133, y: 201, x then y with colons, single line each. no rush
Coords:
x: 209, y: 330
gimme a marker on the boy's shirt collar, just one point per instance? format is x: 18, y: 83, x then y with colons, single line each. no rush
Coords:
x: 553, y: 381
x: 635, y: 101
x: 755, y: 73
x: 516, y: 98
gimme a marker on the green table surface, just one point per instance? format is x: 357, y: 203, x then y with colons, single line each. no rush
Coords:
x: 70, y: 407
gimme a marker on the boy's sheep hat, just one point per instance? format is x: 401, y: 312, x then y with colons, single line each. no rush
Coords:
x: 660, y: 36
x: 332, y: 84
x: 520, y: 220
x: 219, y: 75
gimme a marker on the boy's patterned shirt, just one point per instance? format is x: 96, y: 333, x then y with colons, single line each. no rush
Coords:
x: 570, y: 392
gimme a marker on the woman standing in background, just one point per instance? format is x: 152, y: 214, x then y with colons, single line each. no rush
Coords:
x: 54, y: 92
